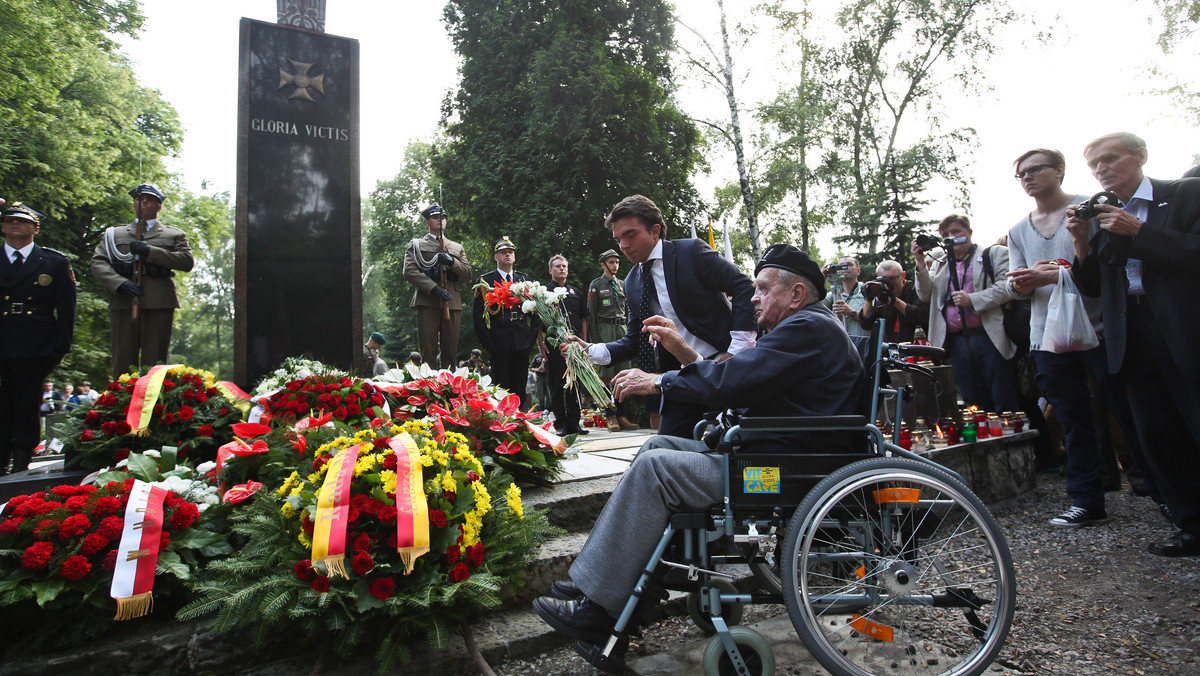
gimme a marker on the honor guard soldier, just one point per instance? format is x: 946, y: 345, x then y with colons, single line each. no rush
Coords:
x: 434, y: 265
x: 512, y: 334
x: 37, y: 322
x: 606, y: 308
x: 137, y: 264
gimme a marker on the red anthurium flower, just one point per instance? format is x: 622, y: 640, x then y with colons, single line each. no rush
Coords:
x: 300, y: 445
x: 250, y: 430
x: 510, y: 405
x: 418, y: 400
x: 438, y: 409
x: 482, y: 404
x: 312, y: 422
x: 503, y: 427
x: 457, y: 420
x: 241, y: 492
x: 509, y: 447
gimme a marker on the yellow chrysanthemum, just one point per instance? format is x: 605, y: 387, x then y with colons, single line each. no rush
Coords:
x: 288, y: 510
x: 447, y: 482
x: 304, y: 539
x: 125, y: 377
x: 388, y: 478
x: 483, y: 501
x: 287, y: 485
x: 513, y: 497
x: 441, y: 457
x: 463, y: 453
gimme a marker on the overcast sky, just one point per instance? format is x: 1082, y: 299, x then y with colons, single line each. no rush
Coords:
x: 1057, y: 94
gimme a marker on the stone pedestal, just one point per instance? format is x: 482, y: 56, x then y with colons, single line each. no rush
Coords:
x: 995, y: 468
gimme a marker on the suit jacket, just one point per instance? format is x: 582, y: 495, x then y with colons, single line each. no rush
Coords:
x: 423, y: 295
x: 1168, y: 245
x: 933, y: 282
x: 698, y: 280
x: 511, y: 330
x: 45, y: 282
x: 169, y: 251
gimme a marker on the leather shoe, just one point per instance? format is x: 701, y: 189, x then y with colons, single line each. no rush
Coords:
x: 1139, y: 486
x: 565, y: 590
x: 1182, y: 544
x: 626, y: 423
x: 612, y: 424
x: 579, y: 619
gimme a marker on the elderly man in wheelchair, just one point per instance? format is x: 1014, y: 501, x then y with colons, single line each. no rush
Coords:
x: 877, y: 556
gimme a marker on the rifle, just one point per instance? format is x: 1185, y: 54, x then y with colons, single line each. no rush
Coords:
x: 138, y: 264
x: 442, y: 250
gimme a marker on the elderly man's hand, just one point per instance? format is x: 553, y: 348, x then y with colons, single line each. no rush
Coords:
x: 664, y: 332
x: 1118, y: 221
x: 632, y: 381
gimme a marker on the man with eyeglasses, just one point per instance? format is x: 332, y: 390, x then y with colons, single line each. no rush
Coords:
x: 897, y: 303
x: 1138, y: 257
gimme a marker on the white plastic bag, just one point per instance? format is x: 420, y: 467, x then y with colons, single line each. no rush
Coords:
x: 1068, y: 328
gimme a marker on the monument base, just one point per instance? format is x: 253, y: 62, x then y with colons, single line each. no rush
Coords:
x: 42, y: 477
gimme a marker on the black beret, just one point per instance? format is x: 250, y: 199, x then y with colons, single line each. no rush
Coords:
x: 788, y: 257
x: 433, y: 210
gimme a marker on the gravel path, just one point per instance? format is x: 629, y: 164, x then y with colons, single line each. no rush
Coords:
x: 1090, y: 601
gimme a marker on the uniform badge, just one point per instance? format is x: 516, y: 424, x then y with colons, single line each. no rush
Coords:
x: 44, y: 280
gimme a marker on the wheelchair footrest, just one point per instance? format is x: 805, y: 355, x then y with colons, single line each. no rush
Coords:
x: 594, y: 655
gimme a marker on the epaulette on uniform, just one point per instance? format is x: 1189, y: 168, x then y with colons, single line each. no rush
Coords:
x: 56, y: 252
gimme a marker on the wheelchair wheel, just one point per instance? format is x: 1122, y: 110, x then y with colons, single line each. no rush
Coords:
x: 732, y: 612
x: 894, y: 566
x: 754, y: 649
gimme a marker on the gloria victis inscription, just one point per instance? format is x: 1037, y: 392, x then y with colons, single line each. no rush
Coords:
x: 258, y: 124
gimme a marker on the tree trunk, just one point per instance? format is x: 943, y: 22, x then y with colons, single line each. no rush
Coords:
x: 743, y: 174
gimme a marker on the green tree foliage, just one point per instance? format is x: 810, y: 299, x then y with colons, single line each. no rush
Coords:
x: 203, y: 335
x: 77, y: 131
x: 866, y: 113
x: 564, y: 109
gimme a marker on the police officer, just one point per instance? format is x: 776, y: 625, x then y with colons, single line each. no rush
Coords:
x: 160, y: 251
x: 434, y: 265
x: 512, y: 333
x: 37, y: 322
x: 606, y: 309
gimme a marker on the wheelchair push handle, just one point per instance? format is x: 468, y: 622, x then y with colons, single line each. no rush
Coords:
x: 928, y: 351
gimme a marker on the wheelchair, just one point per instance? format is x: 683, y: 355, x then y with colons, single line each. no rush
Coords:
x: 887, y: 562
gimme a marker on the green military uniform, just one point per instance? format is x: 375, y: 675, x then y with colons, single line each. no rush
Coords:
x: 606, y: 308
x: 436, y: 334
x: 146, y: 341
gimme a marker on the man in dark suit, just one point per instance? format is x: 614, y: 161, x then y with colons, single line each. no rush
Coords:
x: 160, y: 251
x: 564, y: 401
x: 509, y: 334
x: 805, y: 365
x: 704, y: 295
x: 1138, y: 257
x: 37, y: 322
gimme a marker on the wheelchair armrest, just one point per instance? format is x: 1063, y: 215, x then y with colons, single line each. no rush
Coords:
x: 803, y: 422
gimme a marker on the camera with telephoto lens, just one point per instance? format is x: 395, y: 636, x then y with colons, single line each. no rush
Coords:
x: 1090, y: 209
x: 878, y: 290
x: 834, y: 271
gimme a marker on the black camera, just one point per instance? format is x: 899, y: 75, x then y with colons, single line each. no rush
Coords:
x: 878, y: 290
x: 834, y: 271
x: 1090, y: 209
x: 927, y: 242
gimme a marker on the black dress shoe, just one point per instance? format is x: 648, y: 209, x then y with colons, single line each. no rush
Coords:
x: 1138, y: 486
x: 580, y: 618
x: 1183, y: 544
x: 565, y: 590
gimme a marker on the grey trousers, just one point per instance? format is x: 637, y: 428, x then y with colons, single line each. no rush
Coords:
x: 668, y: 476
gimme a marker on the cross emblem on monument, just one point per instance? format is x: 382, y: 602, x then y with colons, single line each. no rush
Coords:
x: 302, y: 81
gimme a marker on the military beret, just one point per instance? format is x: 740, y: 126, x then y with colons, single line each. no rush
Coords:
x: 433, y: 210
x: 504, y: 243
x: 608, y: 254
x: 18, y: 210
x: 378, y: 338
x: 148, y: 189
x: 788, y: 257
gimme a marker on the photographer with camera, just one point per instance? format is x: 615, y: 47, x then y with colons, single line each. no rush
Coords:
x: 890, y: 296
x: 965, y: 315
x: 1137, y: 255
x: 845, y: 294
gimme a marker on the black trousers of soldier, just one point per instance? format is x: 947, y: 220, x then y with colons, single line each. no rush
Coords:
x: 510, y: 369
x: 564, y: 401
x: 20, y: 400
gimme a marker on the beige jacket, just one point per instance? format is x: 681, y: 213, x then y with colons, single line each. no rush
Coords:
x: 168, y: 249
x: 423, y: 296
x: 987, y: 302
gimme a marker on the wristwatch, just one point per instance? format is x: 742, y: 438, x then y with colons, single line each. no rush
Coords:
x: 658, y: 383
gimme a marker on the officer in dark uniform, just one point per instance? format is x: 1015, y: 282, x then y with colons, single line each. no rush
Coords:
x: 564, y: 401
x: 510, y: 338
x: 607, y: 318
x: 37, y: 322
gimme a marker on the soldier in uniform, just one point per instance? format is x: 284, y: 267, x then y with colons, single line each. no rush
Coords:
x: 510, y: 338
x: 370, y: 364
x: 37, y: 322
x: 160, y: 252
x: 606, y: 309
x: 428, y: 261
x: 564, y: 401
